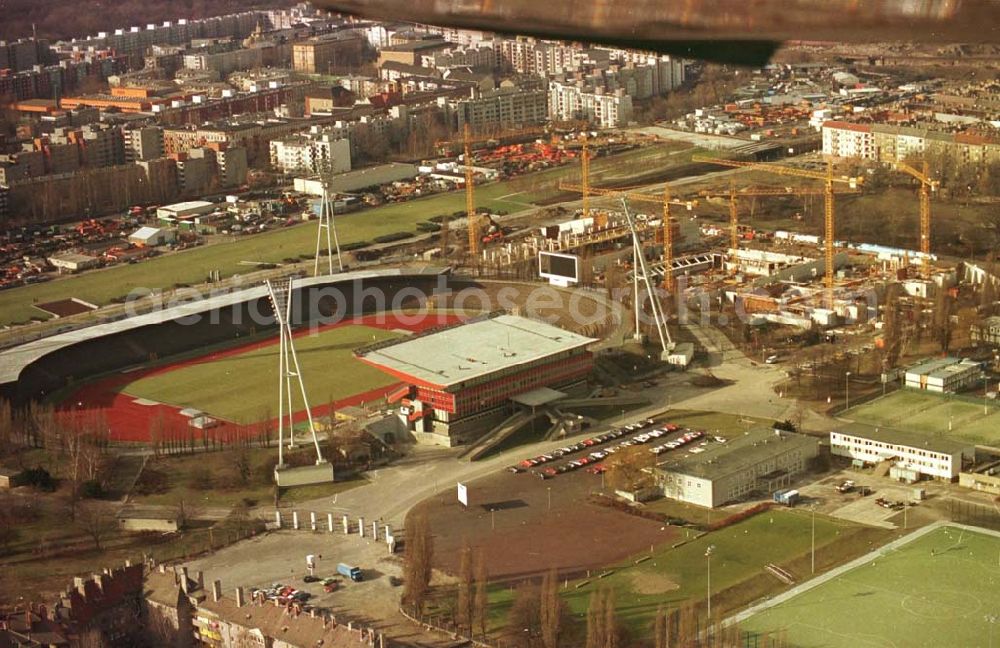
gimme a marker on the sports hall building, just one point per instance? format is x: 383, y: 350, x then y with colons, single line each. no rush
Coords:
x: 462, y: 380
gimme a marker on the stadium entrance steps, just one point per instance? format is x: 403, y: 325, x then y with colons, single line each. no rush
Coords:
x: 512, y: 425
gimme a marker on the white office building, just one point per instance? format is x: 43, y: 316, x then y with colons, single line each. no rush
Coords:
x: 924, y: 455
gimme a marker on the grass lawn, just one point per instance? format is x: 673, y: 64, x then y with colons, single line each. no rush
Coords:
x: 671, y: 576
x: 232, y: 387
x: 171, y: 479
x: 193, y: 266
x: 929, y: 413
x: 908, y: 598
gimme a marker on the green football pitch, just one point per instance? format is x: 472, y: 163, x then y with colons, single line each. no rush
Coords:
x: 941, y: 589
x: 963, y: 418
x: 239, y: 387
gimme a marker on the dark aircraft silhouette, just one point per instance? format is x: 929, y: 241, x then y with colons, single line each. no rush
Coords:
x: 734, y: 31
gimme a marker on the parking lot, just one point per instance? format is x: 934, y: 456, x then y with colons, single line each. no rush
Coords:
x: 372, y: 601
x: 863, y: 508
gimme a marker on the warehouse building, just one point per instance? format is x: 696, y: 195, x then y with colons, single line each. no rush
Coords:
x: 912, y: 456
x: 712, y: 474
x: 171, y: 213
x: 943, y: 375
x: 460, y: 381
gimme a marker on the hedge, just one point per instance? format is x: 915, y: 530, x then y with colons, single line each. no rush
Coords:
x: 395, y: 236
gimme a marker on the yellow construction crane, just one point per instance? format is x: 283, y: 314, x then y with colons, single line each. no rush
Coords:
x: 585, y: 177
x: 665, y: 200
x: 733, y: 194
x: 828, y: 182
x: 467, y: 142
x: 927, y: 185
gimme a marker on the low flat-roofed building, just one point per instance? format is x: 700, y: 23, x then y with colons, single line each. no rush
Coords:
x: 73, y: 262
x: 943, y: 375
x: 152, y: 236
x: 924, y: 454
x: 182, y: 209
x: 461, y: 380
x: 148, y: 519
x: 712, y: 474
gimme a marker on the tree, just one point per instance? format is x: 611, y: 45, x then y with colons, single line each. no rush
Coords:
x: 596, y: 635
x: 550, y: 610
x: 97, y: 522
x: 418, y: 556
x: 942, y: 319
x: 523, y: 620
x: 611, y: 633
x: 661, y: 629
x: 464, y: 605
x: 629, y: 469
x: 480, y: 607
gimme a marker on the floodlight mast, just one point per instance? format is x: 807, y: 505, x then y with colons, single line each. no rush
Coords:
x: 666, y: 342
x: 288, y: 367
x: 326, y: 223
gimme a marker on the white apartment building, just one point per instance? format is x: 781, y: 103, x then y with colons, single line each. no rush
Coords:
x: 927, y: 455
x: 607, y: 110
x: 846, y: 140
x: 315, y: 152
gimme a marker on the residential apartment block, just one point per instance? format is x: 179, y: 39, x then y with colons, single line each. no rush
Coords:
x: 324, y: 55
x: 890, y: 144
x: 317, y: 152
x: 505, y: 108
x: 572, y: 101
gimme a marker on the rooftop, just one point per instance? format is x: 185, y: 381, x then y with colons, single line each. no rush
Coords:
x: 736, y: 454
x: 941, y: 367
x: 473, y: 350
x: 904, y: 438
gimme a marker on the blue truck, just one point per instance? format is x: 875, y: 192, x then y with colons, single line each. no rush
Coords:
x: 354, y: 573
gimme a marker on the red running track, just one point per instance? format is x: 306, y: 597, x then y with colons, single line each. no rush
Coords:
x: 130, y: 422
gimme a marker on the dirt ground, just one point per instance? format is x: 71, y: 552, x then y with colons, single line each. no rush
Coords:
x: 523, y: 536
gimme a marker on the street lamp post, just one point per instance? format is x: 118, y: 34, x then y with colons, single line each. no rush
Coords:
x: 992, y: 620
x: 847, y: 390
x: 708, y: 573
x: 813, y: 543
x: 548, y: 490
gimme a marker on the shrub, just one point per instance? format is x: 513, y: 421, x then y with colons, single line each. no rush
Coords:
x: 200, y: 478
x: 395, y: 236
x: 346, y: 247
x: 39, y: 479
x: 91, y: 489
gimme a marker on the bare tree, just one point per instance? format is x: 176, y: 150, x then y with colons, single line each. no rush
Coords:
x: 418, y: 556
x: 480, y: 608
x: 97, y: 522
x: 596, y: 634
x: 551, y: 610
x: 630, y: 468
x: 523, y: 620
x: 463, y: 607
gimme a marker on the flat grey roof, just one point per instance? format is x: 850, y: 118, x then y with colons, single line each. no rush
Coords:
x: 737, y: 453
x: 474, y: 349
x: 538, y: 397
x: 905, y: 438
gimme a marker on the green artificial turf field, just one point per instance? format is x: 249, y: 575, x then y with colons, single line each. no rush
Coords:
x: 939, y: 590
x: 241, y: 387
x: 970, y: 419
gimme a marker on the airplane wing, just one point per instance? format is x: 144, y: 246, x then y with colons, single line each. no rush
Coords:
x: 736, y: 31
